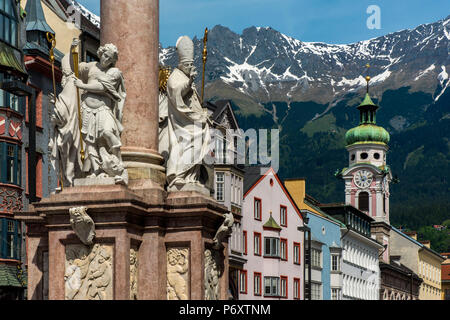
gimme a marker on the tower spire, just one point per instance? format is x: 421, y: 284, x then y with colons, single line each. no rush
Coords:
x: 35, y: 17
x: 367, y: 77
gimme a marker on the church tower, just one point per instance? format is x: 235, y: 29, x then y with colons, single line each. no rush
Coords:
x: 368, y: 176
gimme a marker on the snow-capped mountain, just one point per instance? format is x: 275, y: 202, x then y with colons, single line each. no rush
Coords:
x: 266, y: 65
x: 86, y: 13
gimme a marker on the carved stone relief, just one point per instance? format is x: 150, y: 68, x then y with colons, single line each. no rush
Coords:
x: 134, y: 263
x: 89, y: 272
x: 82, y: 225
x: 177, y: 274
x: 212, y: 275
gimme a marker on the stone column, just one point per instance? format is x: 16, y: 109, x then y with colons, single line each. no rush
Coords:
x: 133, y: 26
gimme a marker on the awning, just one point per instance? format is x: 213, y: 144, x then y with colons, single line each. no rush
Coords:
x: 9, y: 277
x: 9, y: 59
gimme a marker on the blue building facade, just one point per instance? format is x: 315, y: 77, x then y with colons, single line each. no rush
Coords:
x: 326, y: 255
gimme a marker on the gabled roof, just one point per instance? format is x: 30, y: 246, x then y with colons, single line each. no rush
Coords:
x: 253, y: 177
x: 421, y: 245
x: 35, y: 17
x: 219, y: 108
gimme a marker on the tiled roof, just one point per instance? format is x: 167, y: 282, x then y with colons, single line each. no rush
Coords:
x: 9, y: 276
x: 271, y: 223
x: 36, y: 18
x: 9, y: 59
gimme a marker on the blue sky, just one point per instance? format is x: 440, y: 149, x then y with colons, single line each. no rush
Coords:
x: 331, y: 21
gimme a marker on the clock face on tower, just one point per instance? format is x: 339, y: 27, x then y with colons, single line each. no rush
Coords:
x: 363, y: 178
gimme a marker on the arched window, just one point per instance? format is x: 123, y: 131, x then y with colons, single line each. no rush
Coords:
x: 363, y: 201
x: 8, y: 22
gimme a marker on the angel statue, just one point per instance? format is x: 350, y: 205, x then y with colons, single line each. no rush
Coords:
x: 102, y: 101
x: 65, y: 140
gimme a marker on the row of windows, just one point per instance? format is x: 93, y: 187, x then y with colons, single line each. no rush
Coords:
x: 273, y: 286
x: 273, y: 247
x: 429, y: 272
x: 236, y: 188
x: 257, y: 211
x: 365, y: 156
x: 426, y: 289
x: 360, y: 256
x: 8, y: 23
x: 359, y: 288
x: 10, y: 239
x: 10, y: 163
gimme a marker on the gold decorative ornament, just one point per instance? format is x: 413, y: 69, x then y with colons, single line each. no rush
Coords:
x: 204, y: 58
x: 76, y: 71
x: 163, y: 77
x: 51, y: 38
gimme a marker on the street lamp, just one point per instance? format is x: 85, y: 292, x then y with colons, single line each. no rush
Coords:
x: 22, y: 90
x: 307, y: 255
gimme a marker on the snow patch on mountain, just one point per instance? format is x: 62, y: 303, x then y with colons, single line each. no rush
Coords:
x: 444, y: 82
x: 422, y: 73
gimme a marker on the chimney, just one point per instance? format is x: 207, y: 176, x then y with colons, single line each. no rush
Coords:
x: 412, y: 234
x: 426, y: 243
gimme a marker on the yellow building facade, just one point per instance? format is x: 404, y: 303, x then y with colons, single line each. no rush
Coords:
x: 430, y: 272
x: 63, y: 26
x: 297, y: 189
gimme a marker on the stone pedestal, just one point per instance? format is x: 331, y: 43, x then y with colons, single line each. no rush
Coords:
x: 168, y: 239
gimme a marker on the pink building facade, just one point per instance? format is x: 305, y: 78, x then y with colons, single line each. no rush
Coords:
x: 273, y: 246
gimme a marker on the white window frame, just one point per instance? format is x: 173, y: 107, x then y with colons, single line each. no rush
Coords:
x: 274, y: 286
x: 338, y: 262
x: 274, y: 247
x: 220, y: 182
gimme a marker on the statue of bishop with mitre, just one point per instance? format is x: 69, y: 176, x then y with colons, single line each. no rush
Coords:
x: 188, y: 125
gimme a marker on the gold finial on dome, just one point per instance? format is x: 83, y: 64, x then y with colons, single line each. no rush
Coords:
x: 368, y: 78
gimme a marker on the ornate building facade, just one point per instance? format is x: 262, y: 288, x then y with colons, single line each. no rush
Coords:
x: 229, y: 184
x: 12, y: 153
x: 360, y: 267
x: 326, y: 267
x: 273, y: 245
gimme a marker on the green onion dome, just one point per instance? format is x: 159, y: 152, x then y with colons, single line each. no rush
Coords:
x: 367, y: 133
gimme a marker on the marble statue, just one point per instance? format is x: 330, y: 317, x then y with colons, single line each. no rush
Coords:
x: 64, y: 143
x: 212, y: 275
x: 133, y: 274
x: 82, y: 224
x: 177, y: 273
x: 102, y: 101
x: 188, y: 125
x: 88, y: 273
x: 224, y: 230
